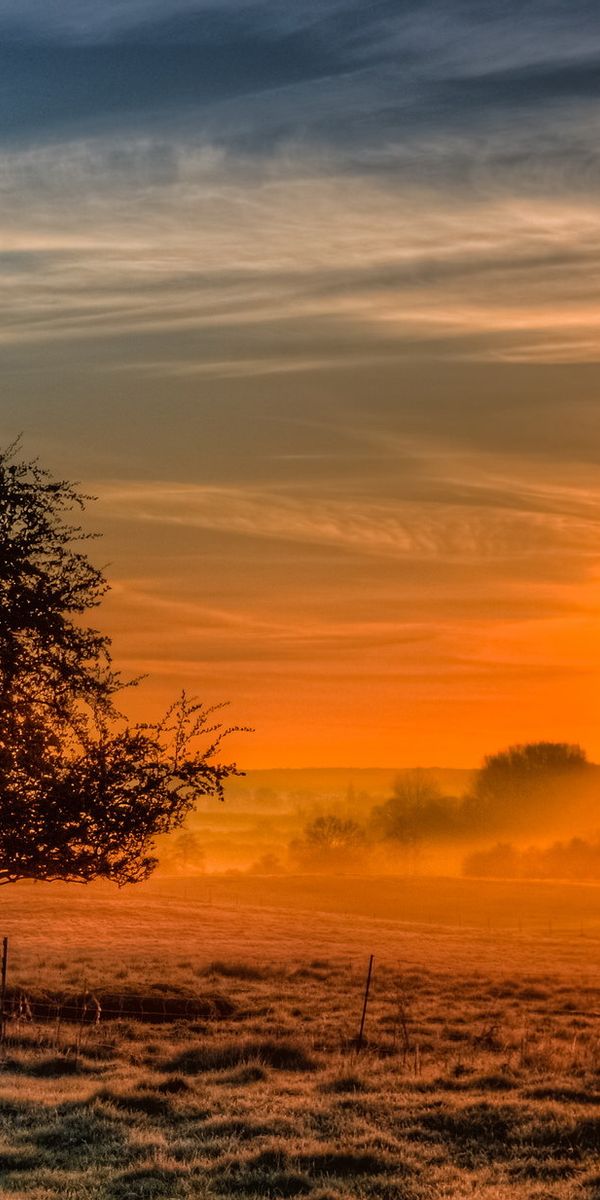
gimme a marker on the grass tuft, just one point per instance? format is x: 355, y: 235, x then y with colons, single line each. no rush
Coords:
x: 174, y: 1085
x: 237, y: 970
x: 251, y: 1072
x: 148, y: 1183
x: 148, y: 1102
x: 347, y: 1082
x: 281, y: 1055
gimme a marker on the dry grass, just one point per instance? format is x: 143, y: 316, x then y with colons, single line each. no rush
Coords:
x: 480, y: 1077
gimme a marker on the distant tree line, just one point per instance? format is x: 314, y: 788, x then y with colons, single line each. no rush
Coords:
x: 523, y: 790
x: 575, y: 859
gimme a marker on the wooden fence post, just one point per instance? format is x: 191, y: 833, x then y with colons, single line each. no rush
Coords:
x: 365, y: 1002
x: 3, y: 990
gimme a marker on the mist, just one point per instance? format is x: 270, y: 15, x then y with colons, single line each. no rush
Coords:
x: 530, y: 811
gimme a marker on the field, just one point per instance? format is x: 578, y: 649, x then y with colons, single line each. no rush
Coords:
x: 479, y: 1077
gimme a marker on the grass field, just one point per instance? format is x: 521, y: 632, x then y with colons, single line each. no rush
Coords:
x: 480, y: 1076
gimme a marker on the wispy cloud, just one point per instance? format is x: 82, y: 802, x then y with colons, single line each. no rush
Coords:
x: 425, y: 181
x: 213, y: 249
x: 495, y: 523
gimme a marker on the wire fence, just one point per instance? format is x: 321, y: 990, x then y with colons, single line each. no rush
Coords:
x: 20, y: 1007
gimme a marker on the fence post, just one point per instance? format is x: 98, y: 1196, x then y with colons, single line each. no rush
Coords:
x: 365, y: 1002
x: 3, y: 989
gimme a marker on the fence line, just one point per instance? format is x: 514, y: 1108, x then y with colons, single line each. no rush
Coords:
x: 21, y: 1007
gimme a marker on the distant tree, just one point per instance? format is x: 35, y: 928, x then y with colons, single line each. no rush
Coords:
x: 266, y: 864
x: 82, y: 793
x: 417, y: 812
x: 520, y: 787
x: 499, y: 862
x: 181, y: 853
x: 575, y: 859
x: 329, y: 841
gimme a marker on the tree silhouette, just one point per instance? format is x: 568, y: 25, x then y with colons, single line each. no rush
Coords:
x: 525, y: 785
x: 82, y: 793
x: 417, y: 812
x: 575, y: 859
x: 329, y: 841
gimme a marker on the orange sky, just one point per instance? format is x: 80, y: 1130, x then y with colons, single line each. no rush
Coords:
x: 366, y: 631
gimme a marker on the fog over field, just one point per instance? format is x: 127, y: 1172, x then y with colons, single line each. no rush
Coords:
x: 393, y: 822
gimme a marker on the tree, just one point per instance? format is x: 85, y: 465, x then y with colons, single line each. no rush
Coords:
x: 182, y: 853
x: 499, y: 862
x: 82, y: 793
x: 524, y: 786
x: 575, y: 859
x: 417, y: 812
x: 328, y: 842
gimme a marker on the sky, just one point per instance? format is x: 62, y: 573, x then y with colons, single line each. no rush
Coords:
x: 306, y: 294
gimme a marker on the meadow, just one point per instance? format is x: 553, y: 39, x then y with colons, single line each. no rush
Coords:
x: 479, y: 1076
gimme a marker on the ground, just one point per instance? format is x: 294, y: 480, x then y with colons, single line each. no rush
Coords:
x: 479, y: 1077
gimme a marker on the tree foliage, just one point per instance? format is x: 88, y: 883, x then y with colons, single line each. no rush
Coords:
x: 575, y: 859
x: 522, y: 786
x: 328, y: 842
x: 82, y: 793
x: 416, y: 812
x: 522, y: 789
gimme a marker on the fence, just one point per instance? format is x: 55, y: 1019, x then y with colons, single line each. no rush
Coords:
x: 19, y: 1007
